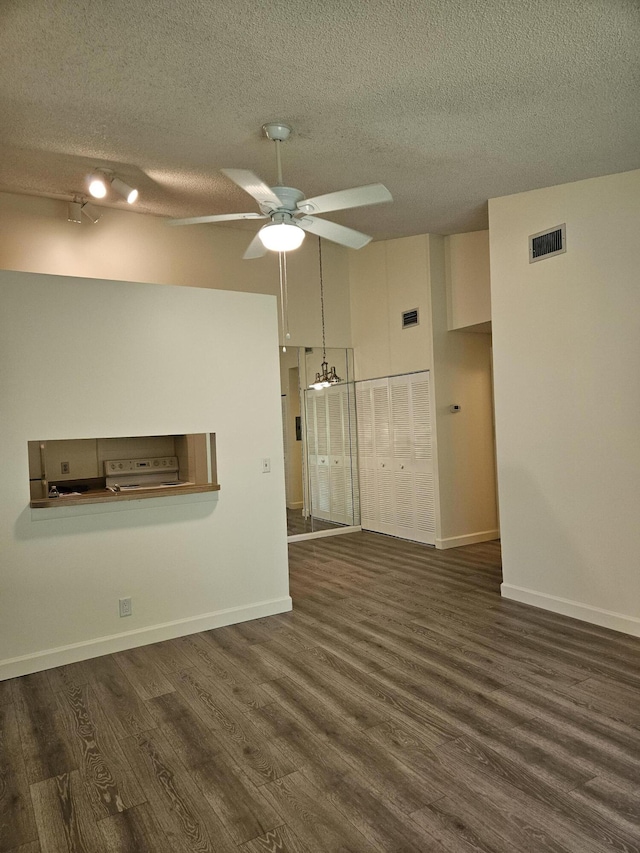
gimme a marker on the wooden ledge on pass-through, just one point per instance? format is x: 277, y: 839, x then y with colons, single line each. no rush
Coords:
x: 75, y: 472
x: 105, y: 496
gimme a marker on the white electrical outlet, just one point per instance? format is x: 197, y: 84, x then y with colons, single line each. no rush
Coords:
x: 125, y: 607
x: 266, y: 465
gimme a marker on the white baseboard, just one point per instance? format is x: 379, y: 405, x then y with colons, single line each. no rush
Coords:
x: 295, y: 505
x: 467, y: 539
x: 49, y: 658
x: 334, y: 531
x: 575, y: 609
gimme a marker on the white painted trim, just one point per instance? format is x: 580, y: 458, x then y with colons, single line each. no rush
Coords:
x: 575, y: 609
x: 467, y: 539
x: 49, y: 658
x: 318, y: 534
x: 295, y: 504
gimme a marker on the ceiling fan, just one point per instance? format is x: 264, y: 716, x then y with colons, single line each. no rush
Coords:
x: 289, y: 212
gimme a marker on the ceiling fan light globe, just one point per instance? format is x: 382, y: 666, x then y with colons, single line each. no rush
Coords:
x: 281, y: 236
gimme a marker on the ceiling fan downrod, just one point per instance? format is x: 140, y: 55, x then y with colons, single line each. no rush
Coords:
x: 277, y: 132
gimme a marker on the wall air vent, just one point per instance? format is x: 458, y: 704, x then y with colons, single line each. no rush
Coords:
x: 410, y: 318
x: 547, y: 243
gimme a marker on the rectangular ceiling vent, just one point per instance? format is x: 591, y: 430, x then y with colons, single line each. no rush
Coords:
x: 410, y: 318
x: 547, y: 243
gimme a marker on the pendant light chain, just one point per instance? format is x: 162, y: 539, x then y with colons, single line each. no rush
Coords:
x: 324, y: 346
x: 326, y: 377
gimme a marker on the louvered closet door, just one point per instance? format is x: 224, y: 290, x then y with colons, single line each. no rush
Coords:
x: 352, y: 499
x: 335, y: 421
x: 382, y: 444
x: 396, y: 465
x: 318, y: 457
x: 321, y: 506
x: 412, y: 456
x: 366, y: 456
x: 312, y: 448
x: 330, y: 417
x: 423, y: 458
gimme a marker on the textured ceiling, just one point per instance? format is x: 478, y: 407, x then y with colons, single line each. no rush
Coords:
x: 446, y: 102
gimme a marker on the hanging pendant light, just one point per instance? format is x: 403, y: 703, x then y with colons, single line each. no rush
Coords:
x: 326, y: 377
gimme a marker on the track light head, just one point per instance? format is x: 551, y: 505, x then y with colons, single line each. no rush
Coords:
x: 90, y: 212
x: 127, y: 192
x: 98, y: 184
x: 101, y: 179
x: 74, y: 211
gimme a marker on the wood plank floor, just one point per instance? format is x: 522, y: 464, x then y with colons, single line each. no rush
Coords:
x: 402, y: 706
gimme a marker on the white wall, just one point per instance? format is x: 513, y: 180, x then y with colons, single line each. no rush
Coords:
x: 393, y: 276
x: 567, y: 366
x: 83, y: 358
x: 35, y: 236
x: 468, y: 280
x: 385, y: 279
x: 465, y: 441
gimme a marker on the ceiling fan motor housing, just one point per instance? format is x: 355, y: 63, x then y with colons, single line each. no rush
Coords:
x: 289, y: 198
x: 277, y: 131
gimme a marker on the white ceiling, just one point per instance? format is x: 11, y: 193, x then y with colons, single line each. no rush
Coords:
x: 447, y: 102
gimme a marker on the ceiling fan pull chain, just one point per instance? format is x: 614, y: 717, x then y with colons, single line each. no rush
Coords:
x: 287, y: 335
x: 284, y: 296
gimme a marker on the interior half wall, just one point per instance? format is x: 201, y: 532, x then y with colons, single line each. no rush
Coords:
x: 86, y: 358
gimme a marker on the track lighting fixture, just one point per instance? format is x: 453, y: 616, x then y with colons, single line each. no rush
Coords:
x: 78, y: 208
x: 98, y: 183
x: 127, y: 192
x: 101, y: 179
x: 74, y: 212
x: 90, y: 212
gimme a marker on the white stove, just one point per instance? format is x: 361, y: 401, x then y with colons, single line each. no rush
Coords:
x: 150, y: 473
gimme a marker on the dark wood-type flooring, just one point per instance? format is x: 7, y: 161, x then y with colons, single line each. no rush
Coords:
x: 402, y: 706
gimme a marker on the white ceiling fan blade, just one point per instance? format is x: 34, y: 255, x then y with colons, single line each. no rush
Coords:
x: 356, y: 197
x: 255, y: 249
x: 253, y: 185
x: 334, y: 232
x: 218, y: 217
